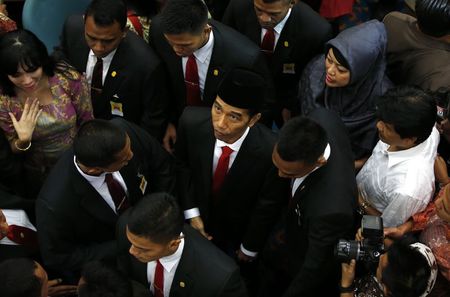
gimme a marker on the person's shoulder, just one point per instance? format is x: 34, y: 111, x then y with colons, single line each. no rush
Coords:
x: 58, y: 183
x: 208, y: 257
x: 136, y: 51
x: 232, y: 39
x: 194, y: 116
x: 74, y: 23
x: 396, y: 18
x: 65, y: 70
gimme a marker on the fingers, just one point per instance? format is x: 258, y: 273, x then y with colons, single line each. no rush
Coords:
x: 13, y: 118
x: 61, y: 290
x: 54, y: 282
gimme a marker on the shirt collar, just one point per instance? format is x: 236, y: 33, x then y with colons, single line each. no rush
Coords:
x: 279, y: 27
x: 397, y: 157
x: 204, y: 52
x: 170, y: 261
x: 107, y: 59
x: 400, y: 156
x: 95, y: 180
x: 236, y: 145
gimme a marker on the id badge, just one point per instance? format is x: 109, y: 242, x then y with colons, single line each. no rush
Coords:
x: 116, y: 108
x: 289, y: 68
x: 143, y: 184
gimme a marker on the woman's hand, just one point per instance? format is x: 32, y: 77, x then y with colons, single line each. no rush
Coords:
x: 348, y: 273
x: 25, y: 125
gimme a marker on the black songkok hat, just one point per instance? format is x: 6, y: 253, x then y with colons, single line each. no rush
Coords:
x: 242, y: 88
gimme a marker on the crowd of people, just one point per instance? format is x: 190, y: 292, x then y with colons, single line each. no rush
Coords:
x: 225, y: 148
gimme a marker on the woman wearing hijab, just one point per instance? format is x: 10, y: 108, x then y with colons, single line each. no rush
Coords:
x: 347, y: 79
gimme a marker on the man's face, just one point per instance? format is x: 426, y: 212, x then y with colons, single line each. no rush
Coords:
x: 294, y: 169
x: 145, y: 250
x: 229, y: 122
x: 186, y: 44
x: 270, y: 14
x: 388, y: 135
x: 122, y: 158
x: 102, y: 40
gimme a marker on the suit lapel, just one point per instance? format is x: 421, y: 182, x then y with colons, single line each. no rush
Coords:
x: 132, y: 178
x: 244, y: 160
x: 207, y: 144
x: 215, y: 71
x: 91, y: 200
x: 183, y: 280
x: 284, y: 46
x: 116, y: 74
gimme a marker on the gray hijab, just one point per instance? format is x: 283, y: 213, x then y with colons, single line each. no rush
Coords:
x: 363, y: 48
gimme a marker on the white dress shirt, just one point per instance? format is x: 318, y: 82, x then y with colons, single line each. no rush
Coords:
x: 296, y: 182
x: 401, y: 183
x: 16, y: 217
x: 92, y: 59
x: 202, y: 57
x: 99, y: 184
x: 277, y: 29
x: 170, y: 264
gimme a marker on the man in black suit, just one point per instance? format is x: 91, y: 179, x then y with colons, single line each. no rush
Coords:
x: 129, y: 80
x: 298, y: 34
x: 112, y: 165
x: 198, y: 53
x: 171, y: 258
x: 315, y: 154
x: 236, y: 205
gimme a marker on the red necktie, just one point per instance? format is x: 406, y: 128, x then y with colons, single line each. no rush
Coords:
x: 97, y: 79
x: 158, y: 282
x: 22, y: 235
x: 268, y: 42
x: 117, y: 193
x: 222, y: 169
x: 192, y: 83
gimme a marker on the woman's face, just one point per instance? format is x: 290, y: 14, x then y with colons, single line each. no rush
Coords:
x: 27, y: 80
x: 336, y: 74
x: 442, y: 204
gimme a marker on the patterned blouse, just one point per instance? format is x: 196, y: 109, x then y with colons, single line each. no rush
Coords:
x: 58, y: 122
x: 435, y: 234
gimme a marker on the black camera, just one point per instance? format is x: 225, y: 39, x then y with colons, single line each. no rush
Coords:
x: 367, y: 250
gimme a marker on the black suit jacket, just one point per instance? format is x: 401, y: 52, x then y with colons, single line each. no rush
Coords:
x: 75, y: 224
x: 231, y: 50
x: 203, y: 270
x: 302, y: 38
x: 326, y: 204
x: 138, y: 82
x: 252, y: 194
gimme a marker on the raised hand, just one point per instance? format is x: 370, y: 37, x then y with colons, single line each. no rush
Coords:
x: 25, y: 125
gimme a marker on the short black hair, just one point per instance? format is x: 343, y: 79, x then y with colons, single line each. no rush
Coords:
x: 433, y: 17
x: 410, y: 110
x: 22, y: 48
x: 184, y: 16
x: 407, y: 272
x: 157, y: 217
x: 302, y: 139
x: 104, y: 281
x: 106, y: 12
x: 18, y: 279
x: 98, y: 142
